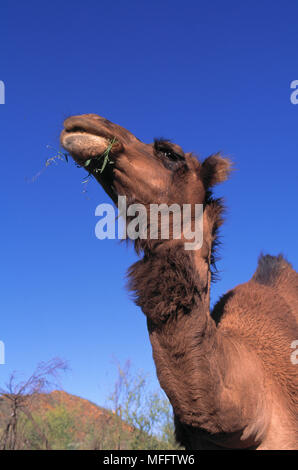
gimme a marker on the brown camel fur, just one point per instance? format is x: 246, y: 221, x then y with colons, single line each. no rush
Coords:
x: 228, y: 375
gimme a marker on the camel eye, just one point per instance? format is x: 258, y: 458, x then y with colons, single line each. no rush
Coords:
x: 168, y: 154
x: 173, y: 156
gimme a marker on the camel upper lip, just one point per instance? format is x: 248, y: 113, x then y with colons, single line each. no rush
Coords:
x: 82, y: 130
x: 84, y: 125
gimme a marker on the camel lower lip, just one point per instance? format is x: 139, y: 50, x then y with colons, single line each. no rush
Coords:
x: 83, y: 145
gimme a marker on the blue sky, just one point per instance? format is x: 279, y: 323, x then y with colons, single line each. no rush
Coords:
x: 209, y: 75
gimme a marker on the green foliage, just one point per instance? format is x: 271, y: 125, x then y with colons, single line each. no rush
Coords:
x: 148, y: 413
x: 106, y: 159
x: 138, y: 418
x: 32, y: 437
x: 61, y: 428
x: 57, y: 424
x: 93, y: 164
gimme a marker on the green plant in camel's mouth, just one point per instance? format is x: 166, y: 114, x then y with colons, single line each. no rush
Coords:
x: 106, y: 158
x: 93, y: 165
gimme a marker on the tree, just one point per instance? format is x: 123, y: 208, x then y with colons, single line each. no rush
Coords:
x: 19, y: 395
x: 142, y: 419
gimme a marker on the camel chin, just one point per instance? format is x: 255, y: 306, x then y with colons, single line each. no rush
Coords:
x: 83, y: 145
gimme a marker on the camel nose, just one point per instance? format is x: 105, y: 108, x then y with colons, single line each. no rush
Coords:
x: 97, y: 125
x: 91, y: 123
x: 95, y: 118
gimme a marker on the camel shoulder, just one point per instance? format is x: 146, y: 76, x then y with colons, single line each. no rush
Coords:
x: 263, y: 316
x: 271, y: 294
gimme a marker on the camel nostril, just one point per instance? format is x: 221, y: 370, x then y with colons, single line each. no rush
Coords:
x: 75, y: 129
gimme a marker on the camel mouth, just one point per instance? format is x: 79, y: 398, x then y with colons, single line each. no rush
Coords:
x: 88, y: 149
x: 97, y: 145
x: 89, y: 136
x: 82, y: 145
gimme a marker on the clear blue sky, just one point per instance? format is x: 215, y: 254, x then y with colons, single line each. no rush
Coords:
x: 211, y: 76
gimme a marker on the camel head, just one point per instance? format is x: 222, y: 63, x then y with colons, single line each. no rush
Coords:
x: 154, y: 173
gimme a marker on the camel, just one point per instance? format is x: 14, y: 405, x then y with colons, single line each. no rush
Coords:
x: 227, y: 373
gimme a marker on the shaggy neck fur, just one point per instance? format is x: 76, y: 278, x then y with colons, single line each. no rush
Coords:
x: 167, y: 284
x: 170, y: 282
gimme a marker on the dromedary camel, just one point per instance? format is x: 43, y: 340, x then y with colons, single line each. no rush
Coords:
x: 228, y: 375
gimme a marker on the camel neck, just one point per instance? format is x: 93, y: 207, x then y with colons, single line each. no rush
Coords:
x: 171, y: 286
x: 171, y: 282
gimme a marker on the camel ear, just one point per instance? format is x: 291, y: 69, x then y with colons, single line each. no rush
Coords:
x: 215, y: 169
